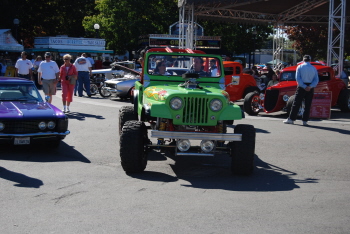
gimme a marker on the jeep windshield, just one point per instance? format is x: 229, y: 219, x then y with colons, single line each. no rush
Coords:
x: 176, y: 65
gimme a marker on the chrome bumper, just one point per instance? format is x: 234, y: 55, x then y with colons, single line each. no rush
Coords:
x: 38, y: 134
x: 197, y: 135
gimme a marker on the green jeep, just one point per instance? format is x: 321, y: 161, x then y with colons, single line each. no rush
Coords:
x: 181, y: 99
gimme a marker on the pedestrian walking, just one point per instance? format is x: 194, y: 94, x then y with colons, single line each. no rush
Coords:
x: 48, y: 76
x: 24, y: 67
x: 307, y: 79
x: 84, y: 69
x: 68, y: 77
x: 35, y: 68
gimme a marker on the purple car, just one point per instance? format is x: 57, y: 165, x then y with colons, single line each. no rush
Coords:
x: 25, y: 118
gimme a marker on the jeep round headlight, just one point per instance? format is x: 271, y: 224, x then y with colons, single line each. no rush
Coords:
x: 51, y: 125
x: 42, y: 125
x: 2, y: 126
x: 183, y: 145
x: 207, y: 146
x: 216, y: 105
x: 176, y: 103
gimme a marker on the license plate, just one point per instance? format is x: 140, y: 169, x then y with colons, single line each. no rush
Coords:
x: 22, y: 141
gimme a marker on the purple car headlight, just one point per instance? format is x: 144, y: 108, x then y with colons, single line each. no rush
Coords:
x: 42, y: 125
x: 51, y: 125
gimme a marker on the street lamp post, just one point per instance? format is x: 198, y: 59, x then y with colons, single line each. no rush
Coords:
x: 254, y: 38
x: 16, y: 23
x: 97, y: 28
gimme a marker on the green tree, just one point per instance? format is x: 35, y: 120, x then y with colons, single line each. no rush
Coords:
x: 310, y: 40
x: 238, y: 38
x: 46, y: 18
x: 122, y: 22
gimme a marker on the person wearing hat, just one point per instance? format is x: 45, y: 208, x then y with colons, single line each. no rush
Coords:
x: 307, y: 79
x: 24, y: 67
x: 48, y: 76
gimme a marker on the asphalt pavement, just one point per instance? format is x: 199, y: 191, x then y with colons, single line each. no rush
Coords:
x: 300, y: 184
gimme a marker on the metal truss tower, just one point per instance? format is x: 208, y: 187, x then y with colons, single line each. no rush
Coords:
x: 336, y: 31
x: 278, y: 44
x: 187, y: 35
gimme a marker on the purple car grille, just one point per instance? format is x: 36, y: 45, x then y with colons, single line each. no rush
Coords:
x: 18, y: 127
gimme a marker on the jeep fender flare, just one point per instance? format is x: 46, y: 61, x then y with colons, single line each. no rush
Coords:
x: 134, y: 100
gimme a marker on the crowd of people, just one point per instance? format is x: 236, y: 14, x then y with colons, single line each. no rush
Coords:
x: 75, y: 76
x: 72, y: 76
x: 265, y: 77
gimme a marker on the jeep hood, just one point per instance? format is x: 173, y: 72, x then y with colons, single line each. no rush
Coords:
x: 161, y: 92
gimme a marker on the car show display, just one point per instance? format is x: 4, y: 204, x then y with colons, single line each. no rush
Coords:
x: 25, y: 118
x: 280, y: 97
x: 183, y: 102
x: 117, y: 81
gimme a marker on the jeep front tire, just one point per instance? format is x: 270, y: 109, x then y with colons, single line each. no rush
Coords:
x: 133, y: 146
x: 242, y: 152
x: 126, y: 113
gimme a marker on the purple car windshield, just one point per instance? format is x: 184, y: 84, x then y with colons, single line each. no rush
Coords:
x: 19, y: 92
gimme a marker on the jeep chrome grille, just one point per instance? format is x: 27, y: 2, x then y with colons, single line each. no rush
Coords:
x: 195, y: 110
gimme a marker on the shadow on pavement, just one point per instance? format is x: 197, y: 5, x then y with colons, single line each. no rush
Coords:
x: 20, y: 179
x: 39, y: 153
x: 82, y: 116
x: 342, y: 131
x: 208, y: 173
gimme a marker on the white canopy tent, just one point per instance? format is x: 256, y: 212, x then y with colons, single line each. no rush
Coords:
x: 8, y: 43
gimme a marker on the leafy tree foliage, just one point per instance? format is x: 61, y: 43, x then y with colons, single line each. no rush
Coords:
x: 310, y: 39
x: 46, y: 18
x: 238, y: 38
x: 122, y: 22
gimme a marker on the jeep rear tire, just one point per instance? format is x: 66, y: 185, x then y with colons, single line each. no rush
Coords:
x: 344, y: 100
x: 133, y: 149
x: 251, y: 103
x: 126, y: 113
x: 242, y: 152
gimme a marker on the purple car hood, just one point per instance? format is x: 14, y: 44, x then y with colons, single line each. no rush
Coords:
x: 19, y: 109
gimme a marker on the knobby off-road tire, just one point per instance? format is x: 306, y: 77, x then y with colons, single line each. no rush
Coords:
x: 344, y: 100
x: 242, y: 152
x: 251, y: 103
x: 133, y: 150
x: 126, y: 113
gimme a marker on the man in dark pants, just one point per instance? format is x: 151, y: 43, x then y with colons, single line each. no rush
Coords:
x: 307, y: 79
x: 84, y: 69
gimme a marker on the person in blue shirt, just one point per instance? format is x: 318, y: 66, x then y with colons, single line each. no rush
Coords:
x: 307, y: 79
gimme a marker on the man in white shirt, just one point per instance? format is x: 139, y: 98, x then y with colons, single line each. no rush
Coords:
x: 48, y: 76
x: 307, y: 78
x: 24, y: 67
x: 84, y: 69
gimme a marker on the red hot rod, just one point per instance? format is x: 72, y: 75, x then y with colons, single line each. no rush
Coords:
x: 281, y: 96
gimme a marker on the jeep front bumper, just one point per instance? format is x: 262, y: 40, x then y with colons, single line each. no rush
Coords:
x: 197, y: 135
